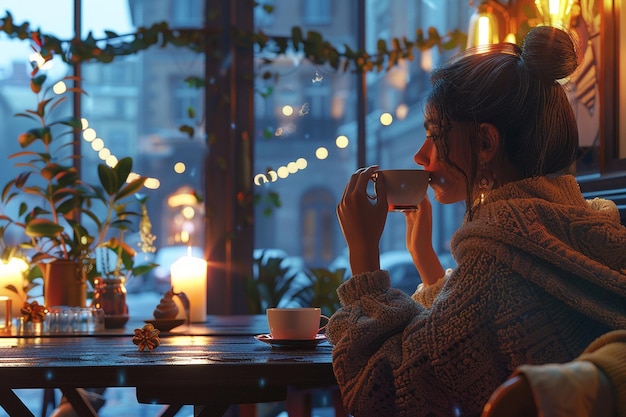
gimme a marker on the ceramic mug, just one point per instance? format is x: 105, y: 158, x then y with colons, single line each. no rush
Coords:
x: 295, y: 323
x: 406, y: 188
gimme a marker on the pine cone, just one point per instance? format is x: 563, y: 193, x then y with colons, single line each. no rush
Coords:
x: 147, y: 337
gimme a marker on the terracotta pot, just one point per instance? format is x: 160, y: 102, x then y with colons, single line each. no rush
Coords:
x: 64, y: 284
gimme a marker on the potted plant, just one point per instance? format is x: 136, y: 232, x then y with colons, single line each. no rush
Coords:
x: 115, y: 263
x: 321, y: 289
x: 61, y: 218
x: 272, y: 281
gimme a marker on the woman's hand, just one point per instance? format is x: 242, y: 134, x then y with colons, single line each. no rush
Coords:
x: 419, y: 237
x: 362, y: 220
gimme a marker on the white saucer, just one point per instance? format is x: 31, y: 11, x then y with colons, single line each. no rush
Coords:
x: 291, y: 344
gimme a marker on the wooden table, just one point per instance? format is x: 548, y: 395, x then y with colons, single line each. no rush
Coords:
x: 211, y: 366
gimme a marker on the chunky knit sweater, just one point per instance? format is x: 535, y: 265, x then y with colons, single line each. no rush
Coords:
x: 541, y: 273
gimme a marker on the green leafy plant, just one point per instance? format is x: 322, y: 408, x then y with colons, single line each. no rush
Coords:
x: 322, y: 289
x: 115, y: 188
x: 272, y: 282
x: 49, y: 177
x: 60, y: 219
x: 313, y: 44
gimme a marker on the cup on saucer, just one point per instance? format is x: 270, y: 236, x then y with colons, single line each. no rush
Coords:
x: 301, y: 323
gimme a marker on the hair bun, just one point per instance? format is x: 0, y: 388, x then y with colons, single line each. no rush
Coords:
x: 549, y: 53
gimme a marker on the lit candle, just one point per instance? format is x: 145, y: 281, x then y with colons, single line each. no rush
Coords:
x: 189, y: 276
x: 11, y: 273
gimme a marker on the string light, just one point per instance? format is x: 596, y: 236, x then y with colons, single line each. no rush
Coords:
x: 104, y: 153
x: 298, y: 165
x: 386, y: 119
x: 180, y: 167
x: 97, y: 144
x: 342, y: 142
x: 321, y: 153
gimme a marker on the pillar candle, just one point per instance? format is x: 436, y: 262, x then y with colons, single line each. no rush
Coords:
x: 188, y: 275
x: 11, y: 273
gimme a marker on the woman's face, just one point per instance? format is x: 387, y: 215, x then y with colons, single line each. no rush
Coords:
x: 446, y: 181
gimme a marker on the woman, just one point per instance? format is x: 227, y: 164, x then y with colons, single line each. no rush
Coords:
x: 540, y: 271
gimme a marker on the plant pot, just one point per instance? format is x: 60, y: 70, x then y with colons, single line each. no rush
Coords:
x: 64, y: 284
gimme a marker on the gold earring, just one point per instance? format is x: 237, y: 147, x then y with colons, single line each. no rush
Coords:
x: 485, y: 182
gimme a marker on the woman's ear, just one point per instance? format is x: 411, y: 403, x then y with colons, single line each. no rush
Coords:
x: 489, y: 142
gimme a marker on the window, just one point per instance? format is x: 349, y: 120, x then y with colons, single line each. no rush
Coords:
x: 308, y: 123
x: 318, y: 227
x: 186, y: 13
x: 316, y: 12
x: 186, y: 99
x: 119, y: 73
x: 263, y: 17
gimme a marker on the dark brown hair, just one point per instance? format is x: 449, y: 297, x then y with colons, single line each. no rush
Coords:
x: 516, y: 90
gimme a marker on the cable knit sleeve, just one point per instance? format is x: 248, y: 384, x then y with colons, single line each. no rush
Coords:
x: 425, y: 295
x: 392, y: 355
x: 367, y: 334
x: 376, y: 306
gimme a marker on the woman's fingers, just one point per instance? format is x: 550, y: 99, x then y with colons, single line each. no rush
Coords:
x: 356, y: 189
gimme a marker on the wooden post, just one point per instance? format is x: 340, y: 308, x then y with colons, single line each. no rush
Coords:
x: 230, y: 156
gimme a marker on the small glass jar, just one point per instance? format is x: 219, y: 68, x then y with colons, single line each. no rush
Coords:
x: 30, y: 328
x: 110, y: 295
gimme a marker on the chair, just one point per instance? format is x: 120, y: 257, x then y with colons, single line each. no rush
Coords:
x: 49, y: 401
x: 514, y: 398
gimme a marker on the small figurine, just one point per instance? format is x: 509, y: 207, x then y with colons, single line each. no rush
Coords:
x: 167, y: 308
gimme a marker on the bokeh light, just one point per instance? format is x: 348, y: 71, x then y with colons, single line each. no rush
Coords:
x: 179, y: 167
x: 386, y: 119
x: 342, y: 141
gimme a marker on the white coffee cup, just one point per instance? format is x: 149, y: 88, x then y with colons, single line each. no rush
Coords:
x: 406, y: 188
x: 295, y: 323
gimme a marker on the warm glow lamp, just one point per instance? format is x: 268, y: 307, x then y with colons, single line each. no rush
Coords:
x: 488, y: 24
x: 12, y: 275
x: 555, y: 12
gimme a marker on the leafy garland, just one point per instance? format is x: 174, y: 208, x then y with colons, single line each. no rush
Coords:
x: 312, y: 44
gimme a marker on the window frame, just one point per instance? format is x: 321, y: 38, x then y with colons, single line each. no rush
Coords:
x: 612, y: 126
x: 610, y: 182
